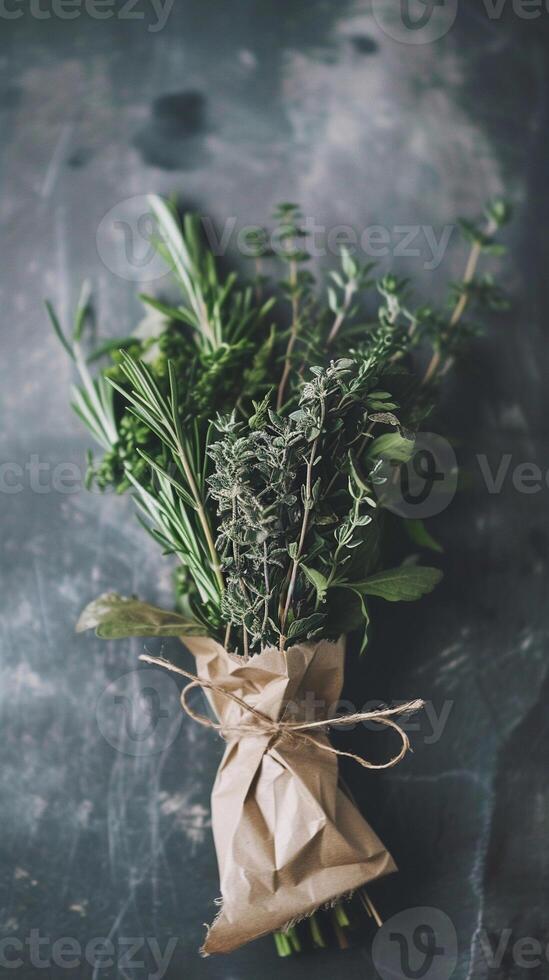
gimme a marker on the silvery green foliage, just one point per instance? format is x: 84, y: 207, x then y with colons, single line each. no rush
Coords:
x: 273, y: 471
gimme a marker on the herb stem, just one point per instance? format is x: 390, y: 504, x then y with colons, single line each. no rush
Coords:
x: 307, y: 506
x: 461, y: 304
x: 370, y: 907
x: 316, y: 934
x: 201, y: 512
x: 342, y: 940
x: 267, y: 585
x: 350, y: 290
x: 258, y: 273
x: 282, y: 944
x: 104, y: 417
x: 292, y: 339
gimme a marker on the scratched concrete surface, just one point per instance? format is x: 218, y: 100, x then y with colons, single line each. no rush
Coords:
x: 234, y: 107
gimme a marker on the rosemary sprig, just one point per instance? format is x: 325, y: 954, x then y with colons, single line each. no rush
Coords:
x: 162, y: 417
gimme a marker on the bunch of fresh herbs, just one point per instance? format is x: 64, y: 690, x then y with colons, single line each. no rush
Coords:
x: 255, y: 423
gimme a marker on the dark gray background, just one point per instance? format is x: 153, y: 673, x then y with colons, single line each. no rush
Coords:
x: 316, y: 102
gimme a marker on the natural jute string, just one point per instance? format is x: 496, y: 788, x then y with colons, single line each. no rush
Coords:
x: 291, y: 729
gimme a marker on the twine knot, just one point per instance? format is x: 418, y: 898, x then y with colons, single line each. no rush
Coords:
x: 303, y: 731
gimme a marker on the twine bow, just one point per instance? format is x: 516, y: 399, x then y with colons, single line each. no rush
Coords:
x: 299, y: 730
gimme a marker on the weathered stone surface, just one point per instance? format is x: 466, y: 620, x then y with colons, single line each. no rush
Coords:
x: 248, y: 103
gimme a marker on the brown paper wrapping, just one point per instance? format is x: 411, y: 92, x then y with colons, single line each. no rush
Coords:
x: 288, y: 839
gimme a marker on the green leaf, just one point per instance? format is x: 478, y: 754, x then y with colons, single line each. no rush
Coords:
x: 185, y: 496
x: 319, y: 581
x: 347, y: 263
x: 306, y: 627
x: 58, y: 329
x: 385, y: 417
x: 82, y: 311
x: 404, y: 584
x: 114, y: 616
x: 420, y: 535
x: 380, y: 396
x: 392, y: 446
x: 381, y: 406
x: 500, y: 211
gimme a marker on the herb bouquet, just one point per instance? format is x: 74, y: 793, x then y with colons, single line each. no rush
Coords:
x: 256, y: 426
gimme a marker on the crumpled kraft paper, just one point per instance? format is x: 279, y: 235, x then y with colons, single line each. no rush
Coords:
x: 288, y: 839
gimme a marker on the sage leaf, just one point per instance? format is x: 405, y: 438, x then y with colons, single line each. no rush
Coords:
x: 319, y: 581
x: 392, y: 446
x: 114, y: 616
x: 403, y: 584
